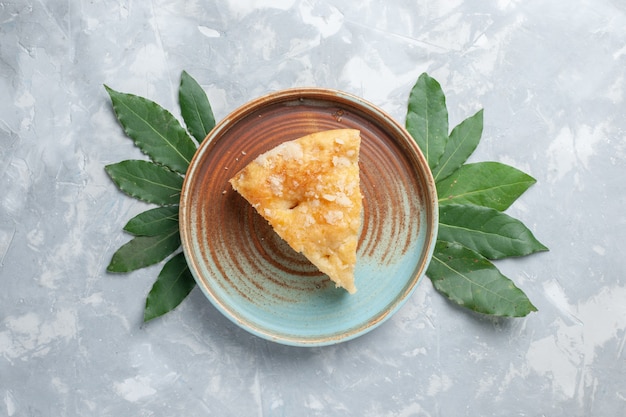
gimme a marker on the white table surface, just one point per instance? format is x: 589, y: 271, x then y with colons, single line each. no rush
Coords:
x: 551, y: 77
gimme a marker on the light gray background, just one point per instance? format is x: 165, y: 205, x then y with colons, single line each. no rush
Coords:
x: 551, y: 77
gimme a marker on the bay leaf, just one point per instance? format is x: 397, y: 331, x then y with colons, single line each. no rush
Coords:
x: 172, y: 286
x: 195, y: 107
x: 427, y: 118
x: 491, y: 233
x: 154, y: 130
x: 146, y: 181
x: 461, y: 144
x: 144, y: 251
x: 489, y: 184
x: 470, y: 280
x: 154, y: 222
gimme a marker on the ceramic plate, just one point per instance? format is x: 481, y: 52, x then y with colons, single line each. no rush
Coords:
x: 255, y: 278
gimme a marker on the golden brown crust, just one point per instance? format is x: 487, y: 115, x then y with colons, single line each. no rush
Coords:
x: 308, y: 190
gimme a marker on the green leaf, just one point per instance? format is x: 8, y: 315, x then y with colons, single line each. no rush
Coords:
x: 489, y: 184
x: 154, y: 130
x: 470, y: 280
x: 462, y: 142
x: 144, y: 251
x: 174, y: 283
x: 195, y: 107
x: 154, y: 222
x: 427, y: 118
x: 146, y: 181
x: 491, y: 233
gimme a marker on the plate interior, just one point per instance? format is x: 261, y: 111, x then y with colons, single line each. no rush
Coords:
x: 254, y: 277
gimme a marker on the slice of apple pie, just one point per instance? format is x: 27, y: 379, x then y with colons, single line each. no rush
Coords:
x: 308, y: 190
